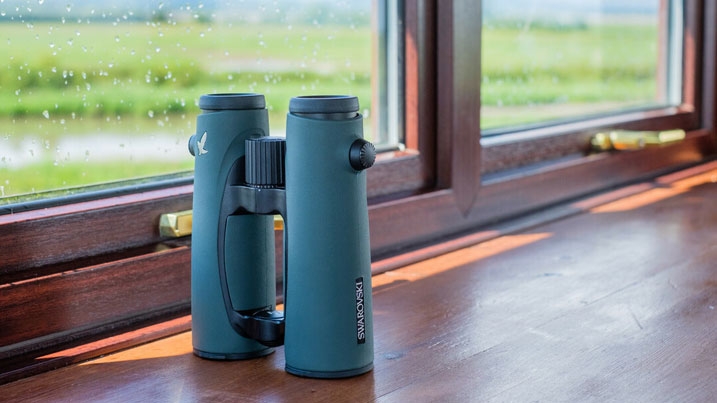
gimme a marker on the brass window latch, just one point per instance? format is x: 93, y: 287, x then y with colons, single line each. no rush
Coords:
x: 175, y: 225
x: 179, y: 224
x: 634, y: 140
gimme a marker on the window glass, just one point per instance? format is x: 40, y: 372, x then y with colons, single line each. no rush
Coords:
x: 567, y: 59
x: 102, y: 91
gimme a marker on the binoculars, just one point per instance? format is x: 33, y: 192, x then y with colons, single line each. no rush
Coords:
x: 314, y: 178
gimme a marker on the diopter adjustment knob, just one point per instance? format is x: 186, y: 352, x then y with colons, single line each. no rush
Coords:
x: 264, y: 163
x: 362, y: 154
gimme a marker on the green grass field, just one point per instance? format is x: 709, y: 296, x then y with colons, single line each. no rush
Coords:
x: 585, y: 65
x: 138, y: 79
x: 138, y: 68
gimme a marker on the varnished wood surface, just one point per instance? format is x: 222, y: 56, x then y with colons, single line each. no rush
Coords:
x: 615, y: 304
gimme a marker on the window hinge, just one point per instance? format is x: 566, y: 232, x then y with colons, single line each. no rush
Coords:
x: 634, y: 140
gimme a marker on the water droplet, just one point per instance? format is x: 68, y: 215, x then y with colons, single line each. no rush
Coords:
x: 68, y: 7
x: 117, y: 38
x: 40, y: 2
x: 150, y: 113
x: 157, y: 50
x: 46, y: 114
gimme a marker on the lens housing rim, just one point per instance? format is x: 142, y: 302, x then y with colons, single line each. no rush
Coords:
x: 232, y: 101
x: 324, y: 104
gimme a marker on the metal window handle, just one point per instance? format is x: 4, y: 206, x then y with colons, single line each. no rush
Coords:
x: 634, y: 140
x: 176, y: 225
x: 179, y: 224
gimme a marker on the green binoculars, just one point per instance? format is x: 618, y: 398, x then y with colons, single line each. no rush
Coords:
x: 314, y: 178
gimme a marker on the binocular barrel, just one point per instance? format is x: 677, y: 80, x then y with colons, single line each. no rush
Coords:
x: 329, y: 325
x: 314, y: 178
x: 226, y: 122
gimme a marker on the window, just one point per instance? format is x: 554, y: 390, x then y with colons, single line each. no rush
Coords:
x: 481, y: 178
x: 445, y: 179
x: 107, y: 91
x: 561, y: 60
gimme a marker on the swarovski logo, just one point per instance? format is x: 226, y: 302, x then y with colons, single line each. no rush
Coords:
x: 360, y: 316
x: 201, y: 143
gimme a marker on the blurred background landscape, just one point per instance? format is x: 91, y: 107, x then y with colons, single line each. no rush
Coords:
x: 102, y: 91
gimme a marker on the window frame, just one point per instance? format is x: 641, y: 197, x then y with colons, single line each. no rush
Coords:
x: 470, y: 192
x: 437, y: 189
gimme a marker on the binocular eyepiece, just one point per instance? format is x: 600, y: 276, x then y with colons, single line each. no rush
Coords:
x: 314, y: 179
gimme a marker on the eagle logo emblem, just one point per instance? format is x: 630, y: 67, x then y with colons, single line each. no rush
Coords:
x: 200, y: 144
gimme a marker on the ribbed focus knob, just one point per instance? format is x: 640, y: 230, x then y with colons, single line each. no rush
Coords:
x: 265, y: 162
x: 362, y: 155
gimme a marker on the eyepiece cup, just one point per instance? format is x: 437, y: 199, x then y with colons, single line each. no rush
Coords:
x: 324, y: 104
x: 234, y: 101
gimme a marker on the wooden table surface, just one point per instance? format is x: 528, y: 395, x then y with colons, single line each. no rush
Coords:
x: 616, y: 304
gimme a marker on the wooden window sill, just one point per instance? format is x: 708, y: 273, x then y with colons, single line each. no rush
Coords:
x: 612, y: 298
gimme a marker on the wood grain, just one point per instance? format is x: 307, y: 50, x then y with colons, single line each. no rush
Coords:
x: 64, y: 233
x: 60, y: 308
x: 618, y: 303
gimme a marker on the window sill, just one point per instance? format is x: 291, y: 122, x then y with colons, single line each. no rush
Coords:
x: 534, y: 301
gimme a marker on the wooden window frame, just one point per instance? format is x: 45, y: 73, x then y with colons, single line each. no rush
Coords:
x: 443, y: 185
x: 467, y: 192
